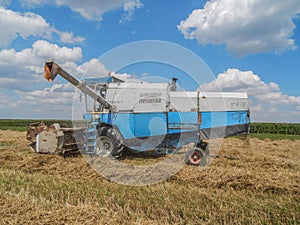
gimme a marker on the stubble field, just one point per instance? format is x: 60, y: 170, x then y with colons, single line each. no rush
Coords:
x: 249, y: 182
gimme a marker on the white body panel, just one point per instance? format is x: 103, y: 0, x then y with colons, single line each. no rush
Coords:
x: 138, y: 97
x: 223, y: 101
x: 208, y: 101
x: 157, y: 97
x: 183, y: 101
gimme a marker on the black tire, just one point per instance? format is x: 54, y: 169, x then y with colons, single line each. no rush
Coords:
x: 108, y: 143
x: 204, y: 146
x: 195, y: 157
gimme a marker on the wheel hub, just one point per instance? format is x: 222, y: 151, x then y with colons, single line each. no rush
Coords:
x: 104, y: 146
x: 195, y: 157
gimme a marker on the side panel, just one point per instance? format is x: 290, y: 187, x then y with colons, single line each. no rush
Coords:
x: 124, y: 122
x: 136, y: 125
x: 221, y: 119
x: 223, y: 124
x: 150, y: 124
x: 182, y: 122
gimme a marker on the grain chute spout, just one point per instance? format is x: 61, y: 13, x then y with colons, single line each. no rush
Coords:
x: 51, y: 69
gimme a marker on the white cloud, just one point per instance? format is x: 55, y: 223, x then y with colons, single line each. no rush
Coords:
x: 234, y: 79
x: 44, y: 49
x: 53, y: 102
x: 272, y: 110
x: 22, y: 70
x: 41, y: 50
x: 244, y: 26
x: 92, y: 68
x: 33, y: 3
x: 257, y: 108
x: 68, y: 37
x: 267, y: 102
x: 29, y: 24
x: 129, y: 7
x: 126, y: 77
x: 58, y: 94
x: 23, y: 24
x: 91, y: 9
x: 3, y: 100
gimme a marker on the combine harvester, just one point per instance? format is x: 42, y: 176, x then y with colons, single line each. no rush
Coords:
x: 145, y: 116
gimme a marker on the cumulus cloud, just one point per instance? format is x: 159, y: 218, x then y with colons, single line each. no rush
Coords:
x: 44, y: 49
x: 40, y: 51
x: 126, y: 77
x: 267, y: 102
x: 245, y: 27
x: 92, y: 68
x: 234, y: 79
x: 129, y: 6
x: 23, y: 24
x: 22, y: 70
x: 91, y: 9
x: 68, y: 37
x: 29, y: 24
x: 46, y: 103
x: 58, y: 94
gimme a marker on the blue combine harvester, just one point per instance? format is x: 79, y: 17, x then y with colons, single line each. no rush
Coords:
x: 154, y: 116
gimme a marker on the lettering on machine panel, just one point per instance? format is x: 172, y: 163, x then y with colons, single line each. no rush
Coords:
x: 150, y: 98
x: 238, y: 105
x: 151, y: 94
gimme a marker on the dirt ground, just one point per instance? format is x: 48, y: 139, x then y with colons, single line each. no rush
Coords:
x: 253, y: 170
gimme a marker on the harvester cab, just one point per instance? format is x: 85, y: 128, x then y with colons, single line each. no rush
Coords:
x: 154, y: 116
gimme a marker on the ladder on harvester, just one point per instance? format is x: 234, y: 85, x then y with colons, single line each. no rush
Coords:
x: 91, y: 136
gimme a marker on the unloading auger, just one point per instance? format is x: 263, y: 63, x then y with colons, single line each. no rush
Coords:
x: 51, y: 69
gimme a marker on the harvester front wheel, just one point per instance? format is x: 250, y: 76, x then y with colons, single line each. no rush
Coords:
x: 108, y: 143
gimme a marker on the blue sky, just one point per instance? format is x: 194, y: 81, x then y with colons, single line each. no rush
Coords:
x: 250, y: 46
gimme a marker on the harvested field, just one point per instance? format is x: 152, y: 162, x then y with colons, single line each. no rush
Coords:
x: 255, y: 182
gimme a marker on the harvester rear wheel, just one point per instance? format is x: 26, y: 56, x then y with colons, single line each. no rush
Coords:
x: 108, y: 143
x: 195, y: 156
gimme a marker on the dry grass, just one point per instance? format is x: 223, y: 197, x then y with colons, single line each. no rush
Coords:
x: 248, y: 183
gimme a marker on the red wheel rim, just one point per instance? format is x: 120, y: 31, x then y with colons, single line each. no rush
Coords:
x: 195, y: 157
